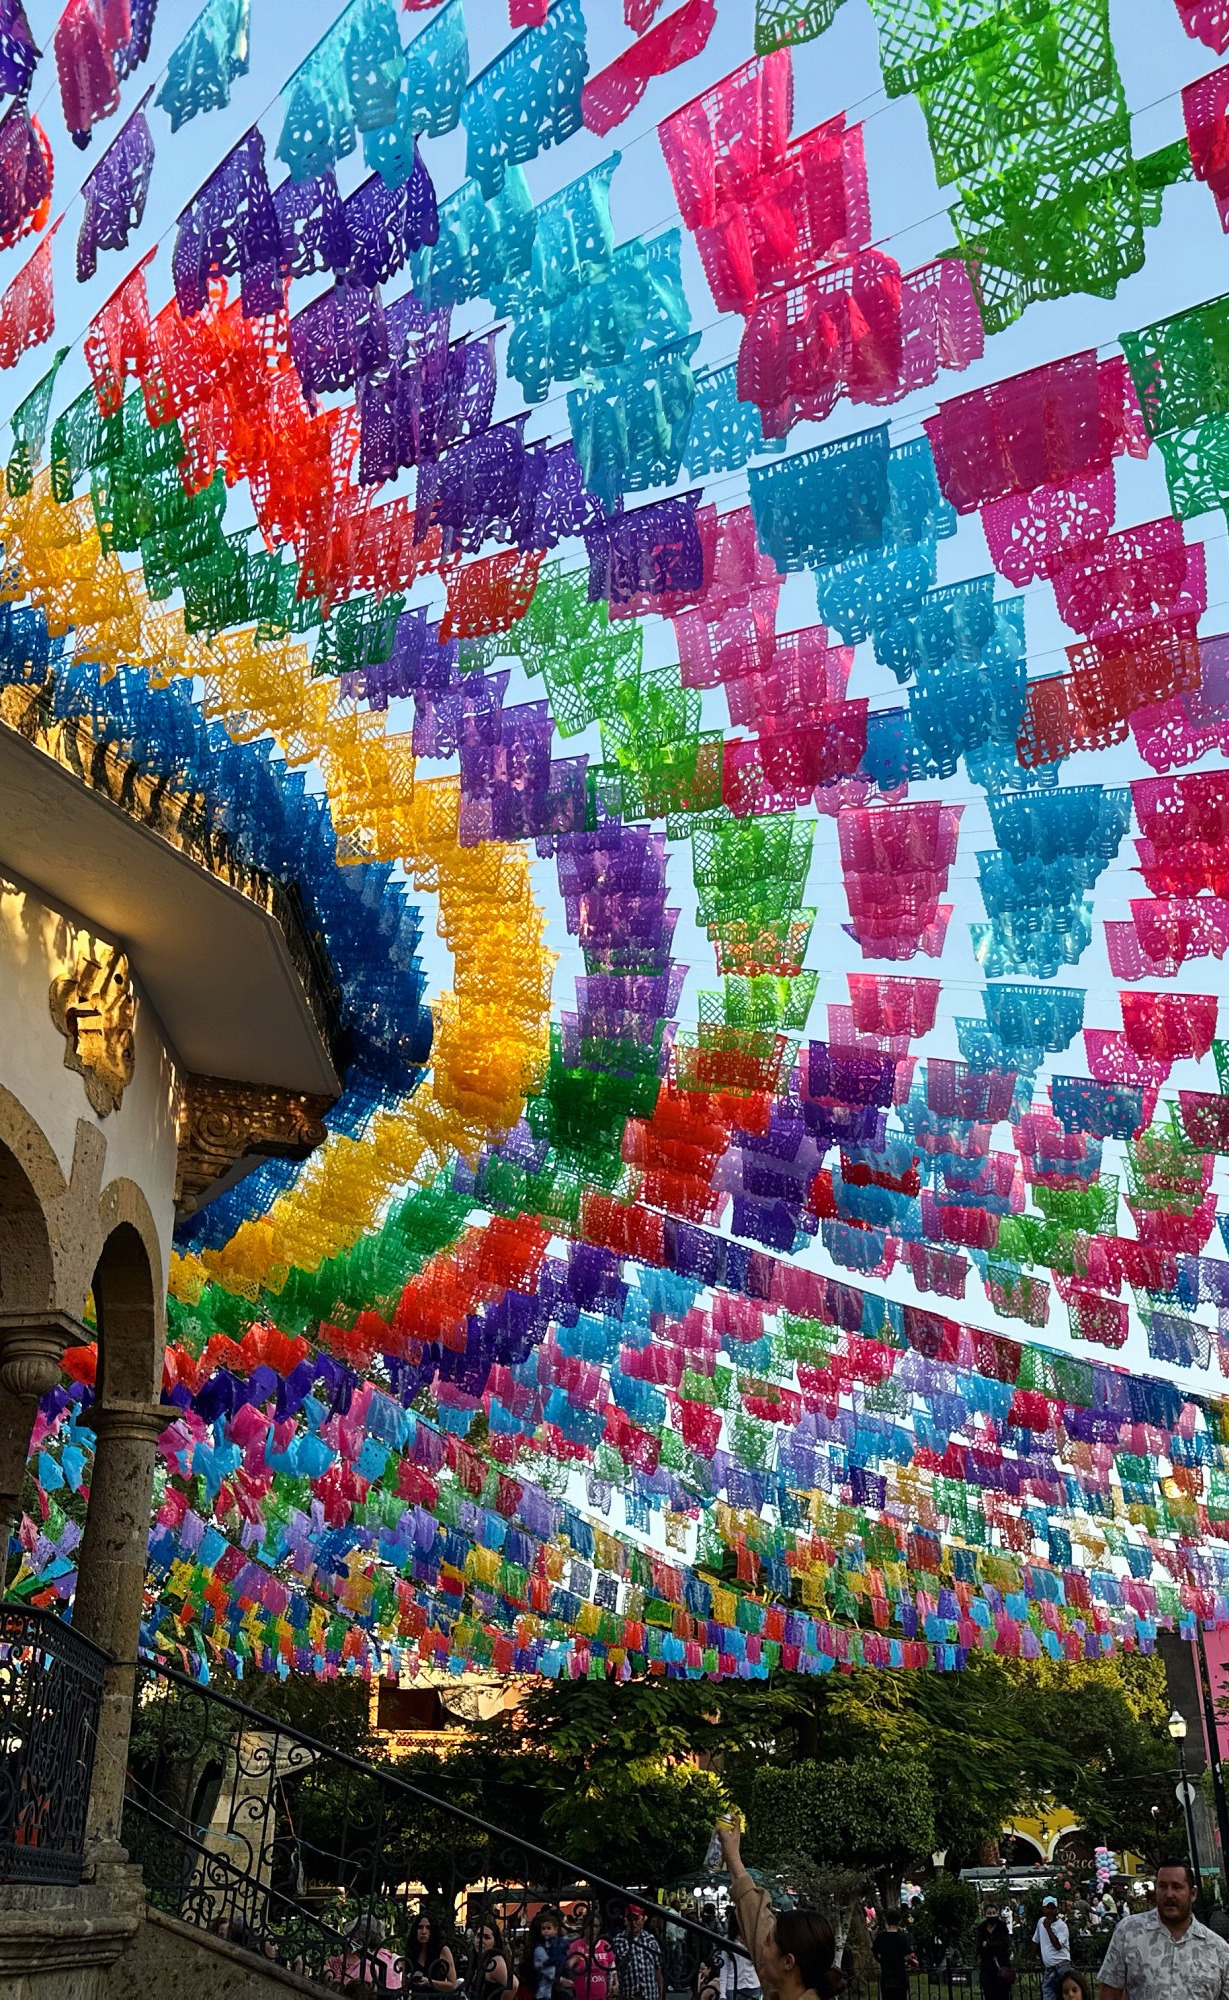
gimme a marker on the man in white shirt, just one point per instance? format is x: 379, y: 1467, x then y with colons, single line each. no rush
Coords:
x: 1166, y: 1954
x: 1053, y: 1940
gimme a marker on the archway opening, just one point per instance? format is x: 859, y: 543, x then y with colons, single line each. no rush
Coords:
x: 126, y: 1311
x: 1020, y: 1850
x: 27, y: 1285
x: 26, y: 1275
x: 111, y: 1569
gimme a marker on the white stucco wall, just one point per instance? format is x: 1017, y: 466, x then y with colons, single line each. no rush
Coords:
x: 35, y: 943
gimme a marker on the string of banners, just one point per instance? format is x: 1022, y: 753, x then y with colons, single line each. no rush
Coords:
x: 619, y: 1325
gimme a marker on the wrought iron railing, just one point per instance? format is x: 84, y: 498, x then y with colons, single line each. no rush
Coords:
x: 954, y: 1982
x: 51, y: 1683
x: 245, y: 1826
x: 958, y: 1979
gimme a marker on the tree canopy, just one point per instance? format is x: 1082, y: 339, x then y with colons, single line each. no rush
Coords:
x: 867, y: 1812
x: 866, y: 1770
x: 952, y: 1757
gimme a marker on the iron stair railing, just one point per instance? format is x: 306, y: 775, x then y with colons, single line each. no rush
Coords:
x: 51, y: 1682
x: 247, y: 1826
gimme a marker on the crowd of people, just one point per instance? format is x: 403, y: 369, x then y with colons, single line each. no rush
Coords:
x: 562, y: 1954
x: 576, y: 1952
x: 1164, y: 1953
x: 1160, y: 1952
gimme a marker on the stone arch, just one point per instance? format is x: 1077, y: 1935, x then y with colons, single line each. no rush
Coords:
x: 33, y: 1198
x: 129, y: 1299
x: 27, y: 1271
x: 127, y: 1420
x: 75, y: 1218
x: 30, y: 1183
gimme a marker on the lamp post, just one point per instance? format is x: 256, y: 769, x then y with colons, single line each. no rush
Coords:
x: 1177, y: 1729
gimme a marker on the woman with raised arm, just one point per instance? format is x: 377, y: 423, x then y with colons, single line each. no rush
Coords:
x: 793, y: 1951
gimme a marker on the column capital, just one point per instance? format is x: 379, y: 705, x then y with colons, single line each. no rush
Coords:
x: 32, y: 1344
x: 136, y: 1423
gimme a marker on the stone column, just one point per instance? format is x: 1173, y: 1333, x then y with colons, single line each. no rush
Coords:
x: 110, y: 1587
x: 32, y: 1345
x: 16, y: 1423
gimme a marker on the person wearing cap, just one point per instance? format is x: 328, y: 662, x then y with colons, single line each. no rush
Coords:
x: 367, y: 1962
x: 638, y: 1958
x: 1053, y: 1940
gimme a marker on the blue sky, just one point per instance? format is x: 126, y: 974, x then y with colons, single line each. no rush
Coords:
x: 1188, y: 260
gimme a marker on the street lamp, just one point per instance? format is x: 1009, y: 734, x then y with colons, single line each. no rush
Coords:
x: 1177, y: 1730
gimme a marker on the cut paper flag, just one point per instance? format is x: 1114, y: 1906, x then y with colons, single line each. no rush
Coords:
x: 27, y: 175
x: 94, y: 52
x: 201, y: 70
x: 350, y: 84
x: 30, y: 430
x: 27, y: 308
x: 19, y: 57
x: 528, y: 98
x: 115, y: 193
x: 613, y: 94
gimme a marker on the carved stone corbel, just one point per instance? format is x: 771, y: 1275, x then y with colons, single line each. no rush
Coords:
x: 32, y: 1345
x: 95, y: 1009
x: 226, y: 1129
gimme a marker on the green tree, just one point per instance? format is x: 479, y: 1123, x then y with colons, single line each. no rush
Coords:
x: 871, y: 1812
x: 984, y: 1763
x: 334, y: 1712
x: 868, y: 1770
x: 840, y: 1894
x: 1110, y: 1719
x: 946, y: 1918
x: 1006, y: 1736
x: 628, y: 1799
x: 724, y: 1723
x: 1000, y: 1738
x: 647, y: 1829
